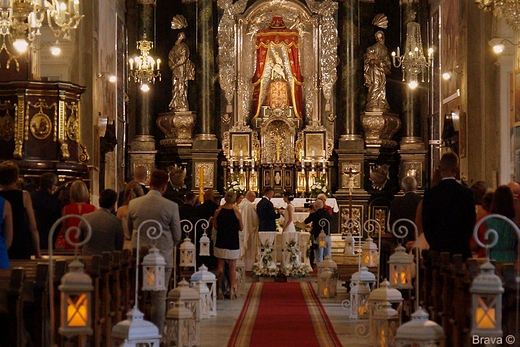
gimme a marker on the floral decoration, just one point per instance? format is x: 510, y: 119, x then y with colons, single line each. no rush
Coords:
x: 295, y: 271
x: 235, y: 186
x: 292, y: 249
x: 320, y: 187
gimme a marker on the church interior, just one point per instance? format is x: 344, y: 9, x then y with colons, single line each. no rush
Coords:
x: 344, y: 98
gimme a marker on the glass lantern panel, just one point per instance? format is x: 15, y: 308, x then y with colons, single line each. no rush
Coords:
x: 149, y: 276
x: 485, y: 314
x: 77, y: 310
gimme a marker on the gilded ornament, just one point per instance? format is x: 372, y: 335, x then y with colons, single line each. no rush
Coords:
x: 179, y: 22
x: 379, y: 176
x: 84, y: 156
x: 40, y: 126
x: 72, y: 128
x: 380, y: 20
x: 19, y: 127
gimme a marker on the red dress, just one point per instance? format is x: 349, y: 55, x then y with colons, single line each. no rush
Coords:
x: 79, y: 209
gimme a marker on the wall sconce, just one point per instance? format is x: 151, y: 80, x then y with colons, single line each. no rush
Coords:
x: 54, y: 48
x: 76, y: 287
x: 449, y: 74
x: 111, y: 77
x: 499, y: 47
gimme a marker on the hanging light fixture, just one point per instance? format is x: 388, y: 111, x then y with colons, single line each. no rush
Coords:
x: 401, y: 266
x: 505, y: 9
x: 144, y: 69
x: 21, y: 20
x: 412, y: 62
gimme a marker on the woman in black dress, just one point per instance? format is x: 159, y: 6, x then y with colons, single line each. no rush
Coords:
x: 228, y: 222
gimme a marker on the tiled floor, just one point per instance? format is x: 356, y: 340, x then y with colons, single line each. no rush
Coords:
x: 215, y: 332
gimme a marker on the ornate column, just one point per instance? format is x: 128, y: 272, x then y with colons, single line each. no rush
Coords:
x: 143, y: 150
x: 351, y: 146
x: 205, y: 151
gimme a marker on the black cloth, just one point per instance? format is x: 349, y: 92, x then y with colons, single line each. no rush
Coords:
x: 22, y: 247
x: 47, y: 210
x: 405, y: 207
x: 449, y: 217
x: 315, y: 218
x: 228, y: 227
x: 266, y: 215
x: 205, y: 211
x: 187, y: 211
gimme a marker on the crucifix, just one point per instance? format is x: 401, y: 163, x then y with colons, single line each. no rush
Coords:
x: 351, y: 173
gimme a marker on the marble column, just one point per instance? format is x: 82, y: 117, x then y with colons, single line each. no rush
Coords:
x: 206, y: 75
x: 143, y: 151
x: 349, y: 84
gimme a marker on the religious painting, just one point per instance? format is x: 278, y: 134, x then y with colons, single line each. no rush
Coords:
x: 450, y: 50
x: 267, y: 178
x: 517, y: 98
x: 288, y: 180
x: 277, y: 178
x: 314, y: 144
x: 241, y: 144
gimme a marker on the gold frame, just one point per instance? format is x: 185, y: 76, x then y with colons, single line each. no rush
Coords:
x: 314, y: 141
x: 241, y: 142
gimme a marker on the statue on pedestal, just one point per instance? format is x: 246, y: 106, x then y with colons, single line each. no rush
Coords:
x: 183, y: 70
x: 377, y: 66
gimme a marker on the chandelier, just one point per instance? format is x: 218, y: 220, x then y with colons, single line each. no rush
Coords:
x: 144, y: 69
x: 412, y: 62
x: 21, y: 20
x: 508, y: 9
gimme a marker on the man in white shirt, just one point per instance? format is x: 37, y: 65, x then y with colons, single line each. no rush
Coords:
x: 250, y: 219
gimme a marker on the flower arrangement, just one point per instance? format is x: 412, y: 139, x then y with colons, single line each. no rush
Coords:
x: 234, y: 185
x: 292, y: 249
x: 295, y: 271
x: 320, y: 187
x: 267, y: 257
x: 260, y: 271
x: 266, y: 268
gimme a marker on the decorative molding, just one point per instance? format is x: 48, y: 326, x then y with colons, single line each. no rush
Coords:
x: 19, y: 128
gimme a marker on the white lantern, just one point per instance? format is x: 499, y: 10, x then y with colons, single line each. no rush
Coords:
x: 358, y: 300
x: 153, y: 271
x: 204, y: 298
x: 330, y: 264
x: 322, y: 239
x: 401, y: 266
x: 369, y: 253
x: 379, y: 297
x: 386, y: 320
x: 420, y: 332
x: 135, y: 331
x: 178, y: 322
x: 76, y: 287
x: 204, y: 245
x: 349, y: 244
x: 486, y: 291
x: 325, y: 284
x: 211, y: 281
x: 187, y: 256
x: 190, y: 298
x: 364, y: 276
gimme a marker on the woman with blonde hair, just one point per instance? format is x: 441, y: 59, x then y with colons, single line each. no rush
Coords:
x: 79, y: 204
x: 227, y: 220
x: 132, y: 190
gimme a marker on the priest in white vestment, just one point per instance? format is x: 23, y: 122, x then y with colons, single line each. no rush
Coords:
x: 250, y: 219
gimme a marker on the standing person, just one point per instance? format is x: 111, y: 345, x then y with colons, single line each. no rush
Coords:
x: 206, y: 210
x: 6, y: 232
x: 288, y: 214
x: 449, y: 211
x: 132, y: 190
x: 79, y: 204
x: 250, y: 230
x: 405, y: 206
x: 327, y: 208
x: 314, y: 218
x: 503, y: 204
x: 187, y: 210
x: 107, y: 230
x: 267, y: 214
x: 227, y: 221
x: 154, y: 206
x: 140, y: 176
x: 47, y: 207
x: 25, y: 232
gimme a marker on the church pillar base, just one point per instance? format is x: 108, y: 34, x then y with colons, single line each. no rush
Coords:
x: 204, y: 156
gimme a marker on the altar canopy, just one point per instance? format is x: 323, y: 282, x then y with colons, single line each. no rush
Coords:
x: 277, y: 80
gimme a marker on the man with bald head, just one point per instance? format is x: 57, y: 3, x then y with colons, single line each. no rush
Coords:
x: 315, y: 218
x: 515, y: 187
x: 449, y: 211
x: 250, y: 232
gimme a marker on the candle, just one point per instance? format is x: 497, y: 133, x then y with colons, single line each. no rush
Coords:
x: 76, y: 6
x: 158, y: 64
x: 201, y: 184
x: 231, y: 153
x: 485, y: 318
x: 241, y: 153
x: 131, y: 64
x: 313, y: 154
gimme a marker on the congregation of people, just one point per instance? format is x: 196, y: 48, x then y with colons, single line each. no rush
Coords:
x: 445, y: 219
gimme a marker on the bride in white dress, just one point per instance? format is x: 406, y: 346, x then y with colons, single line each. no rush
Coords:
x: 289, y: 212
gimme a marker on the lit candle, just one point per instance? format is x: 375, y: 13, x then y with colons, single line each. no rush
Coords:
x: 398, y: 52
x: 231, y: 153
x: 485, y: 318
x: 241, y: 153
x: 131, y: 61
x: 158, y: 64
x: 313, y: 154
x: 201, y: 184
x: 76, y: 6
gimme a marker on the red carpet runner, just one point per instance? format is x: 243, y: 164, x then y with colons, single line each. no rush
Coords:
x: 283, y: 314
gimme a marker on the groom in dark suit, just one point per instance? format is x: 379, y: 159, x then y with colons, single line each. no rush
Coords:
x: 449, y: 211
x: 266, y: 213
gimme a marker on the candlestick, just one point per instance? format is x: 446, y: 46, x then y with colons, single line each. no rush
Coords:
x: 201, y: 184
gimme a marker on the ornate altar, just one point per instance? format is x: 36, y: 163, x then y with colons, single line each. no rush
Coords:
x: 278, y: 70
